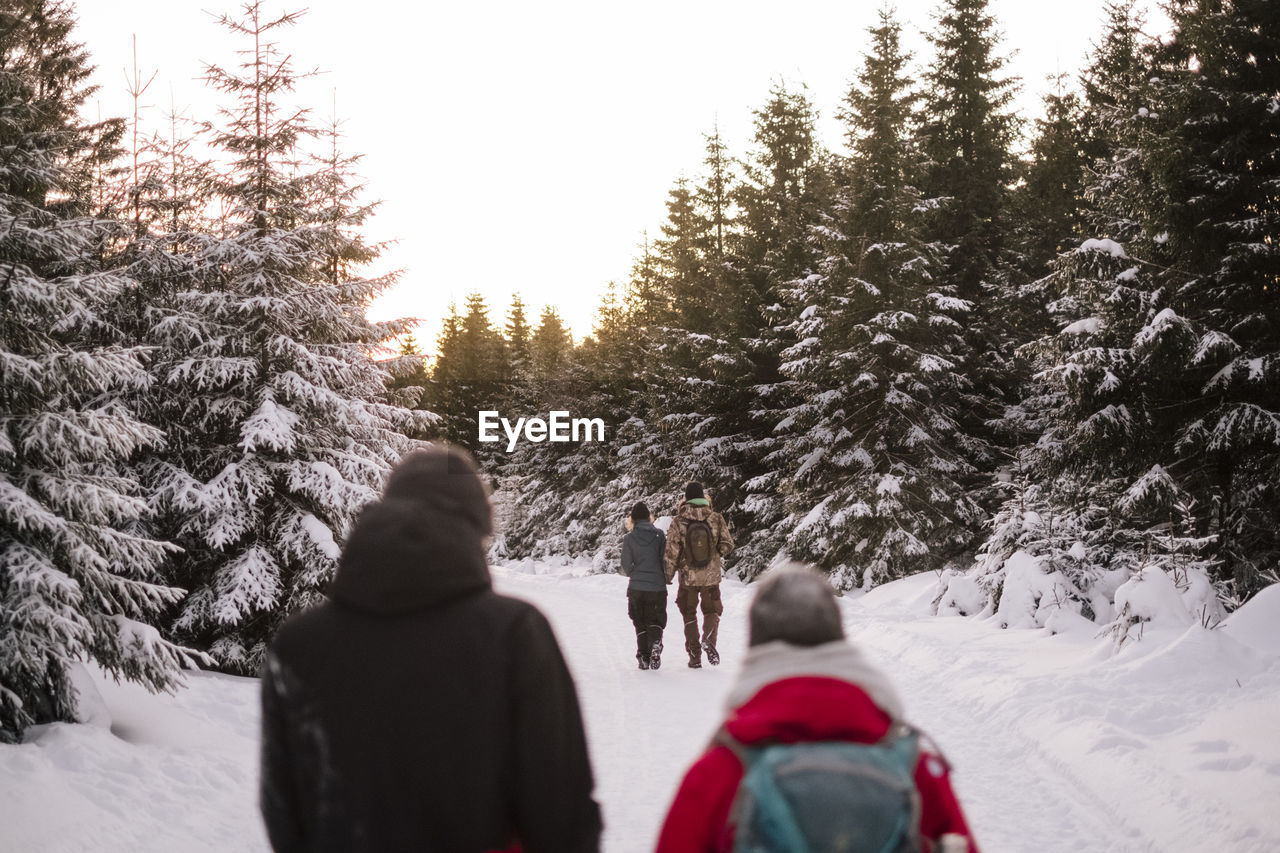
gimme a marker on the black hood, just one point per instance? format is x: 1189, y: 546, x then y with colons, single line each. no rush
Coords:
x: 446, y: 480
x: 402, y: 556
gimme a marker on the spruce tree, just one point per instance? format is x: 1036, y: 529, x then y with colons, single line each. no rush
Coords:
x: 169, y: 194
x: 682, y: 253
x: 1117, y: 129
x: 715, y: 197
x: 647, y: 293
x: 608, y: 380
x: 279, y: 420
x: 517, y: 334
x: 443, y: 377
x: 1213, y: 149
x: 550, y: 349
x: 784, y: 189
x: 879, y: 486
x: 1108, y: 380
x: 79, y: 579
x: 1062, y: 487
x: 558, y: 502
x: 469, y: 372
x: 1112, y: 82
x: 339, y: 213
x: 515, y: 391
x: 1157, y: 413
x: 778, y: 200
x: 967, y: 137
x: 546, y: 483
x: 1050, y: 201
x: 1049, y: 214
x: 697, y: 367
x: 411, y: 370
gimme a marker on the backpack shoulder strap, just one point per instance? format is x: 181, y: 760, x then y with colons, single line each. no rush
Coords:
x: 746, y: 755
x: 928, y: 746
x: 904, y: 738
x: 731, y: 743
x: 901, y: 728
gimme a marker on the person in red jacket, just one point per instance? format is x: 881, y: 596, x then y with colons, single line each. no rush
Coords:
x: 802, y: 682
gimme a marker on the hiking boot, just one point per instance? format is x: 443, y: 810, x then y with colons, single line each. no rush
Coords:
x: 642, y: 660
x: 655, y: 656
x: 713, y: 656
x: 694, y: 662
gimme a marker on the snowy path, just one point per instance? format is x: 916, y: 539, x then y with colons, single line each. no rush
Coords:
x: 646, y: 727
x: 1057, y: 745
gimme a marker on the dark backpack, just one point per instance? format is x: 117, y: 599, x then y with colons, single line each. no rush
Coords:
x: 699, y: 542
x: 828, y: 796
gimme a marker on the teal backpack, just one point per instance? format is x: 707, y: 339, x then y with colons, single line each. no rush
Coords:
x: 828, y: 796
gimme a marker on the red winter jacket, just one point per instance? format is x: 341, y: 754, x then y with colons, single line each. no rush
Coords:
x: 793, y: 710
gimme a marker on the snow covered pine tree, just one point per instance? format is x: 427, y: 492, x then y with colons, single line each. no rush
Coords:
x: 880, y: 489
x: 77, y: 580
x: 780, y: 200
x: 281, y: 428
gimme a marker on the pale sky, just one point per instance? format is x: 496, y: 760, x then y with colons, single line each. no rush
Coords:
x: 528, y: 146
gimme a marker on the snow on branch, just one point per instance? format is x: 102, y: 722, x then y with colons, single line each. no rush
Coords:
x: 1155, y: 486
x: 270, y: 427
x: 1108, y: 247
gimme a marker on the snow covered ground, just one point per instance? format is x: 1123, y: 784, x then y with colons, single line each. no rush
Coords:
x: 1059, y: 744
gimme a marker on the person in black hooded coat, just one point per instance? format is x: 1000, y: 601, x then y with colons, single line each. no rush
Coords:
x: 417, y: 709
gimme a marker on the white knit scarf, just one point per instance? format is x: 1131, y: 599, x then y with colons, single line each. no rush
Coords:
x: 776, y: 660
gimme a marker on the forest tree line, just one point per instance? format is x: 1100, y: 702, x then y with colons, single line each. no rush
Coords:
x: 953, y: 335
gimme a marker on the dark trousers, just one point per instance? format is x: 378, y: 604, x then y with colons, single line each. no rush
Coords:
x: 648, y: 612
x: 687, y: 601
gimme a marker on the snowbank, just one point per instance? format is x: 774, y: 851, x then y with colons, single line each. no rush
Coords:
x: 1166, y: 744
x: 1151, y: 596
x: 1257, y: 623
x: 961, y: 596
x: 1031, y: 595
x: 149, y: 773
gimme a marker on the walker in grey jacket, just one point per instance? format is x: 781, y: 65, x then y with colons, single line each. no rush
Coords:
x: 642, y: 558
x: 642, y: 550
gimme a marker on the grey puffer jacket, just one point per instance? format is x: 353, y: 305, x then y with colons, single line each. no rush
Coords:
x: 642, y: 550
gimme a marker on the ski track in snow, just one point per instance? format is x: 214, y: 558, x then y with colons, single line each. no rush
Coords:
x: 1056, y: 744
x: 1010, y: 789
x: 1046, y: 747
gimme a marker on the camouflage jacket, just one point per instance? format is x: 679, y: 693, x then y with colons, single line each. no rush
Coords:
x: 674, y: 557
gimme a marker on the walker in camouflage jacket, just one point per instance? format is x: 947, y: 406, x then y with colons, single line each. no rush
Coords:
x: 674, y: 557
